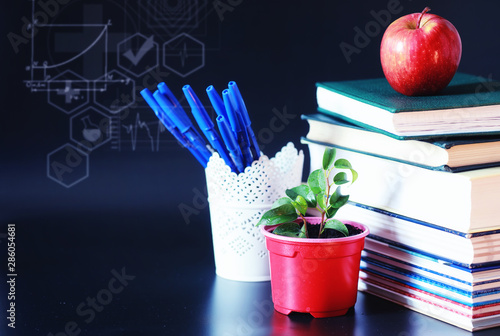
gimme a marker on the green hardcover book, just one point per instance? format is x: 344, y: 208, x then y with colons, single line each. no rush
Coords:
x: 443, y: 153
x: 469, y: 105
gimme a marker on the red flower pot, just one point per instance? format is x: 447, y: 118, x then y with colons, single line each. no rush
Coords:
x: 314, y: 275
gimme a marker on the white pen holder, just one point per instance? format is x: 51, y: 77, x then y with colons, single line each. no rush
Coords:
x: 237, y: 202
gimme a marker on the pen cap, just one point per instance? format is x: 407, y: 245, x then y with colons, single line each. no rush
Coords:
x: 217, y: 102
x: 238, y: 102
x: 199, y: 112
x: 232, y: 114
x: 148, y: 97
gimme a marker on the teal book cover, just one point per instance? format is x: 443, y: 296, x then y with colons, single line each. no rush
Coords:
x: 463, y: 91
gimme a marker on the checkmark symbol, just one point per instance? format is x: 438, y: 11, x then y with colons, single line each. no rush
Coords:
x: 145, y: 47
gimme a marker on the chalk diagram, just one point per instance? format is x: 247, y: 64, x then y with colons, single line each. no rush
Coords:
x: 90, y: 128
x: 67, y: 165
x: 66, y: 38
x: 89, y: 69
x: 67, y: 91
x: 138, y: 126
x: 114, y: 92
x: 183, y: 55
x: 70, y: 63
x: 138, y: 54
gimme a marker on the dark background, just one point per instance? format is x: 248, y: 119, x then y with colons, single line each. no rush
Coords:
x: 124, y: 210
x: 274, y: 50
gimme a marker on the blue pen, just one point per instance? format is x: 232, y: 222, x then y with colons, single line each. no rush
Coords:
x: 217, y: 102
x: 185, y: 127
x: 240, y: 106
x: 230, y: 141
x: 206, y: 125
x: 181, y: 115
x: 169, y: 125
x: 163, y: 88
x: 240, y: 133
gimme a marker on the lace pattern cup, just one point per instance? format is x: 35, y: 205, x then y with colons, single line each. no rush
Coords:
x: 237, y: 201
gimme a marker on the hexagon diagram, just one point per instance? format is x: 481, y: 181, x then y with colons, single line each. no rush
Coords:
x: 183, y: 55
x: 90, y: 128
x: 138, y: 54
x: 114, y: 92
x: 67, y: 165
x: 68, y: 91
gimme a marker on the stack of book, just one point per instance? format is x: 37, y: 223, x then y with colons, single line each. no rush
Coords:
x: 428, y: 189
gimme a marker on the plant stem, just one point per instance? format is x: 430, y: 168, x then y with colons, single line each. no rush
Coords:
x: 322, y: 224
x: 305, y: 224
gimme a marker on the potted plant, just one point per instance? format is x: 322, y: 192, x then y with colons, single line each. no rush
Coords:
x: 314, y: 261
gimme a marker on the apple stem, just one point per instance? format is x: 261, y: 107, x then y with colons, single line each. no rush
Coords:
x: 426, y: 9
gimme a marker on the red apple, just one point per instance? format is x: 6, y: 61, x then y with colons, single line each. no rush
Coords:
x: 420, y: 53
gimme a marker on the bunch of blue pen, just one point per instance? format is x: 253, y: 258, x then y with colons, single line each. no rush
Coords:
x: 236, y: 144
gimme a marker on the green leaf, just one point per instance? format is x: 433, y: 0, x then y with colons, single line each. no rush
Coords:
x: 354, y: 175
x: 320, y: 198
x: 281, y: 201
x: 300, y: 204
x: 328, y: 157
x: 339, y: 202
x: 289, y: 229
x: 282, y: 214
x: 340, y: 178
x: 335, y: 196
x: 304, y: 191
x: 336, y: 225
x: 345, y: 164
x: 331, y: 211
x: 317, y: 181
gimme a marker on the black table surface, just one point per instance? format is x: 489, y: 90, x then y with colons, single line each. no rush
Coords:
x: 79, y: 273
